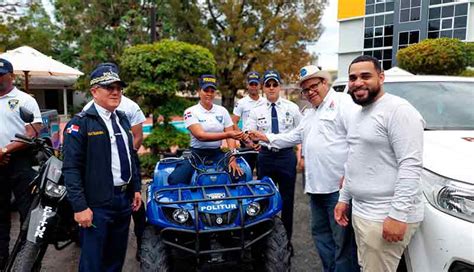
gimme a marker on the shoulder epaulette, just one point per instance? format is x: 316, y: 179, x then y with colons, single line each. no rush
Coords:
x: 80, y: 114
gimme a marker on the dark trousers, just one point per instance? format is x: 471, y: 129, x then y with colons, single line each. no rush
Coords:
x: 184, y: 171
x: 139, y: 217
x: 14, y: 177
x: 335, y: 244
x: 281, y: 167
x: 251, y: 159
x: 104, y: 246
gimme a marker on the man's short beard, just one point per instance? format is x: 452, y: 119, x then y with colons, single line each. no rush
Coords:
x: 368, y: 100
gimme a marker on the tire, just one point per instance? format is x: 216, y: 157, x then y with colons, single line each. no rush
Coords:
x: 276, y: 256
x: 154, y: 256
x: 28, y: 257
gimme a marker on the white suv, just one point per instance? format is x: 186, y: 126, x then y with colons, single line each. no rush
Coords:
x: 445, y: 240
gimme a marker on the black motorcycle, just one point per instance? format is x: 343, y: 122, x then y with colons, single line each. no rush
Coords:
x: 50, y: 220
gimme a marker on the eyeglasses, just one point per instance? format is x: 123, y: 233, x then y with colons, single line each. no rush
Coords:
x: 269, y: 85
x: 311, y: 88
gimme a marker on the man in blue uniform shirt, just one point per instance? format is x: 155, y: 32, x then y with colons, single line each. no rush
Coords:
x: 100, y: 174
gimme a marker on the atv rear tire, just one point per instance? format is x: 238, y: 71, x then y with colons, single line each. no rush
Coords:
x: 27, y: 258
x: 154, y: 256
x: 276, y: 256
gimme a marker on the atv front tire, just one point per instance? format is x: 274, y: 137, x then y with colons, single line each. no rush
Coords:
x: 276, y: 256
x: 29, y: 258
x: 154, y: 256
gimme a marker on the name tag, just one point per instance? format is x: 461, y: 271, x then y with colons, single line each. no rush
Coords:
x: 95, y: 133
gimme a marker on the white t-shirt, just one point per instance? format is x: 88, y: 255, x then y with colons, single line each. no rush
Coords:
x: 214, y: 120
x: 132, y: 110
x: 10, y: 121
x: 243, y: 107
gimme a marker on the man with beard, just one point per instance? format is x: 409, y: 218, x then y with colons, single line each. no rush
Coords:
x: 383, y: 168
x: 323, y: 132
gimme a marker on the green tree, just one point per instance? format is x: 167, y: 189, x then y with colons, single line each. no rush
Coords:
x: 154, y: 73
x: 248, y: 35
x: 33, y: 27
x: 442, y: 56
x: 94, y: 31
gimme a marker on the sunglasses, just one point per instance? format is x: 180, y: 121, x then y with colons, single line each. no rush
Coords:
x: 313, y: 87
x: 209, y: 90
x: 269, y: 85
x: 111, y: 88
x: 253, y: 84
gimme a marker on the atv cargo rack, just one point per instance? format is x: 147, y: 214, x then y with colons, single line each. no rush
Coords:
x: 260, y: 228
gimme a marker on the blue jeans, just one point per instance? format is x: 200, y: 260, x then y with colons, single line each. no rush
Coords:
x: 335, y: 244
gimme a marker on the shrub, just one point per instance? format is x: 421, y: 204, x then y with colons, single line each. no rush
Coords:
x: 147, y: 164
x: 164, y: 136
x: 442, y: 56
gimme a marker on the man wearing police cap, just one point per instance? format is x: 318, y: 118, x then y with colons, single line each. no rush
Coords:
x: 100, y: 174
x: 15, y: 158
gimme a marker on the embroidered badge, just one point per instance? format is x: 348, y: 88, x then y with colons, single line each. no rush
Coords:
x: 94, y: 133
x: 13, y: 103
x: 72, y: 129
x: 220, y: 118
x: 187, y: 115
x: 332, y: 106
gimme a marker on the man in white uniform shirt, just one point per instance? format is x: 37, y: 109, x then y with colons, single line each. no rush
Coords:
x: 323, y: 132
x: 245, y: 105
x: 383, y: 169
x: 15, y: 158
x: 277, y: 115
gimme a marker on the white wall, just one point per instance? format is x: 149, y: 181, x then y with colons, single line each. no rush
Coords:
x: 351, y: 35
x: 470, y: 23
x: 344, y: 60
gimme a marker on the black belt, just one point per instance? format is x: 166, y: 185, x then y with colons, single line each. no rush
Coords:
x: 274, y: 149
x: 121, y: 188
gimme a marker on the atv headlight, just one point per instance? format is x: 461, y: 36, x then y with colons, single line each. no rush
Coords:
x: 253, y: 209
x: 180, y: 215
x: 54, y: 190
x: 450, y: 196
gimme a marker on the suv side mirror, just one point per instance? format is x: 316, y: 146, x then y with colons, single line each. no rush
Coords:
x: 26, y: 115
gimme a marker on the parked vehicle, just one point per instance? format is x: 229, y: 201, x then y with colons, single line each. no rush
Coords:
x: 50, y: 129
x: 214, y: 220
x: 445, y: 240
x: 50, y: 219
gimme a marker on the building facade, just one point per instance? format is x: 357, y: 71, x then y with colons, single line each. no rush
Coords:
x: 380, y: 28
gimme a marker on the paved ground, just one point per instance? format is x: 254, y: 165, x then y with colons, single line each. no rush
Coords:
x: 305, y: 258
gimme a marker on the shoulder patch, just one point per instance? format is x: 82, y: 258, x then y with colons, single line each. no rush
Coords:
x: 72, y: 129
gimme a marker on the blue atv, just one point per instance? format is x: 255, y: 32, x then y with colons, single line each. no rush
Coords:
x: 214, y: 220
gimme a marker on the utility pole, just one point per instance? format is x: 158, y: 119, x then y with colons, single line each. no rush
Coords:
x: 152, y: 22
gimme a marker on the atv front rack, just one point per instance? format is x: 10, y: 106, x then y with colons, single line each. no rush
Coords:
x: 251, y: 186
x: 265, y: 225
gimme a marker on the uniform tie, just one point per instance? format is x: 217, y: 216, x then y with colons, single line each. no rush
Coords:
x: 122, y: 151
x: 275, y: 129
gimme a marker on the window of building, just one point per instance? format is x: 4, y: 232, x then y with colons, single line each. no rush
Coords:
x: 447, y: 21
x: 407, y: 38
x: 378, y: 31
x: 383, y: 55
x: 378, y: 6
x: 410, y: 10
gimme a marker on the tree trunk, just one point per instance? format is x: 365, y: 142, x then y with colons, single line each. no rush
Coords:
x: 228, y: 100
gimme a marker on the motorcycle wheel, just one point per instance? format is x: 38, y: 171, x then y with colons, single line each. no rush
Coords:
x: 29, y: 258
x: 154, y: 256
x: 275, y: 254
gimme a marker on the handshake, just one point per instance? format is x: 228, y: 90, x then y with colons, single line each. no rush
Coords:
x: 250, y: 137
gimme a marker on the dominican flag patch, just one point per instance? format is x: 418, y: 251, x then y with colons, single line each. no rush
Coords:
x: 72, y: 129
x: 187, y: 115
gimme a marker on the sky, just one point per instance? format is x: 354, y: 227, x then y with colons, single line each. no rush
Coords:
x: 327, y: 45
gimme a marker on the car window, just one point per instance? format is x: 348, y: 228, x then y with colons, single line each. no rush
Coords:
x: 443, y: 105
x: 339, y: 88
